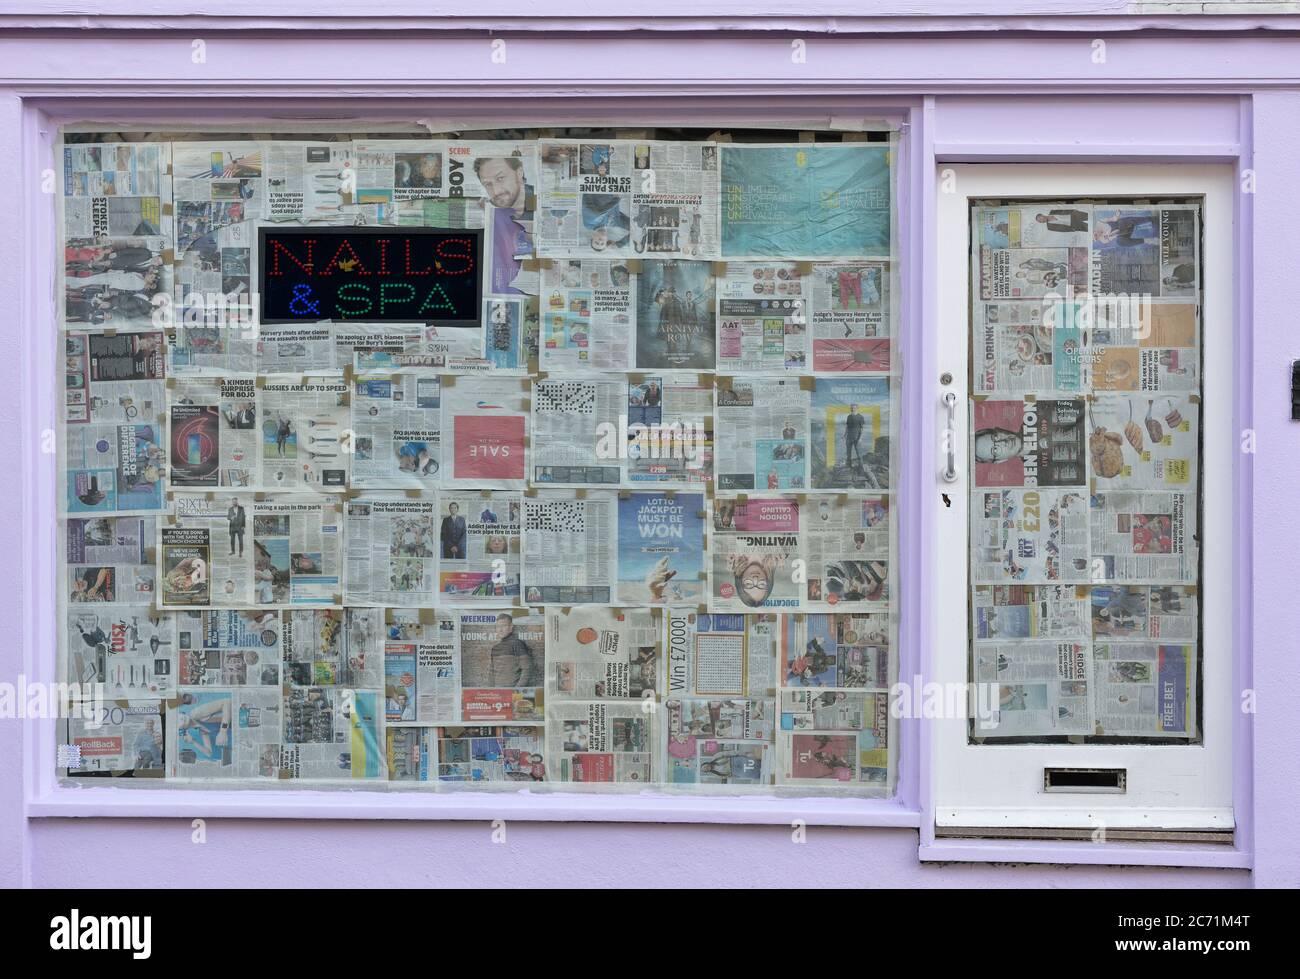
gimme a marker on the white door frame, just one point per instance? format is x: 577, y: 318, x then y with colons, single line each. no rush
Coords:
x: 1169, y: 786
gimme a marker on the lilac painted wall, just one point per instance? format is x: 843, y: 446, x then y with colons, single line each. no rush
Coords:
x: 1091, y: 111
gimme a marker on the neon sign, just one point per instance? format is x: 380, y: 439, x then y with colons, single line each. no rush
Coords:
x: 404, y: 275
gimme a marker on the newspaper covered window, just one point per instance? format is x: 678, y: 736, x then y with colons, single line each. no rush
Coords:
x: 479, y: 461
x: 1085, y: 449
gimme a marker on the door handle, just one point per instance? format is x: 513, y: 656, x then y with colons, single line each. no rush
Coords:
x: 950, y: 438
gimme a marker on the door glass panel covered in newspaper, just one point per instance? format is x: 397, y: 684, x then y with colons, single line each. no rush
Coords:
x: 475, y: 461
x: 1085, y: 462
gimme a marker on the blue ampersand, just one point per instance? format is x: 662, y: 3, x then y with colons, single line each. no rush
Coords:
x: 300, y: 294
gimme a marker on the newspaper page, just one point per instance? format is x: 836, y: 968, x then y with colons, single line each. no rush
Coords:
x: 762, y: 318
x: 1144, y: 538
x: 668, y: 441
x: 1028, y: 442
x: 396, y: 431
x: 588, y: 310
x: 606, y: 741
x: 1003, y: 613
x: 121, y: 739
x: 675, y: 199
x: 333, y: 647
x: 754, y: 546
x: 1035, y: 347
x: 309, y: 182
x: 503, y: 664
x: 1030, y: 535
x: 224, y: 733
x: 110, y: 559
x: 486, y: 421
x: 391, y: 556
x: 129, y: 649
x: 412, y: 753
x: 333, y: 733
x: 501, y: 175
x: 584, y: 199
x: 676, y: 316
x: 1154, y: 348
x: 297, y: 348
x: 422, y: 673
x: 575, y: 429
x: 114, y: 406
x: 1041, y: 689
x: 1146, y: 689
x: 835, y: 738
x: 479, y: 553
x: 848, y: 650
x: 219, y: 191
x: 390, y: 172
x: 1143, y: 443
x: 602, y: 654
x: 117, y: 227
x: 293, y: 559
x: 661, y: 548
x: 847, y: 550
x: 213, y: 433
x: 304, y: 436
x: 491, y: 754
x: 570, y: 548
x: 1032, y: 252
x: 505, y: 349
x: 1141, y: 612
x: 719, y: 695
x: 229, y: 648
x: 851, y: 434
x: 806, y: 201
x: 113, y: 377
x: 1146, y: 250
x: 849, y: 317
x: 761, y: 434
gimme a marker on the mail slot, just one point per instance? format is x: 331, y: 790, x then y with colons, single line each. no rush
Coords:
x: 1090, y: 780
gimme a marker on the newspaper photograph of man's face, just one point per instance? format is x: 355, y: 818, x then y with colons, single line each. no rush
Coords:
x: 503, y: 180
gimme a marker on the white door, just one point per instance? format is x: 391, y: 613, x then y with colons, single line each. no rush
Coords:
x: 1082, y: 632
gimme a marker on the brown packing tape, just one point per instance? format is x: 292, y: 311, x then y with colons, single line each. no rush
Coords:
x: 530, y: 203
x: 580, y: 494
x: 260, y: 383
x: 170, y: 384
x: 530, y: 265
x: 169, y: 257
x: 625, y: 494
x: 807, y: 136
x: 167, y: 210
x: 636, y: 378
x: 719, y: 137
x: 414, y: 494
x: 485, y: 494
x: 701, y: 609
x: 701, y: 514
x: 428, y: 616
x: 719, y: 270
x: 634, y: 265
x: 260, y: 497
x: 388, y: 616
x: 808, y: 383
x: 338, y: 599
x: 849, y: 136
x: 448, y: 380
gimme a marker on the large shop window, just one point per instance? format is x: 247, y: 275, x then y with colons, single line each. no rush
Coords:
x: 487, y: 459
